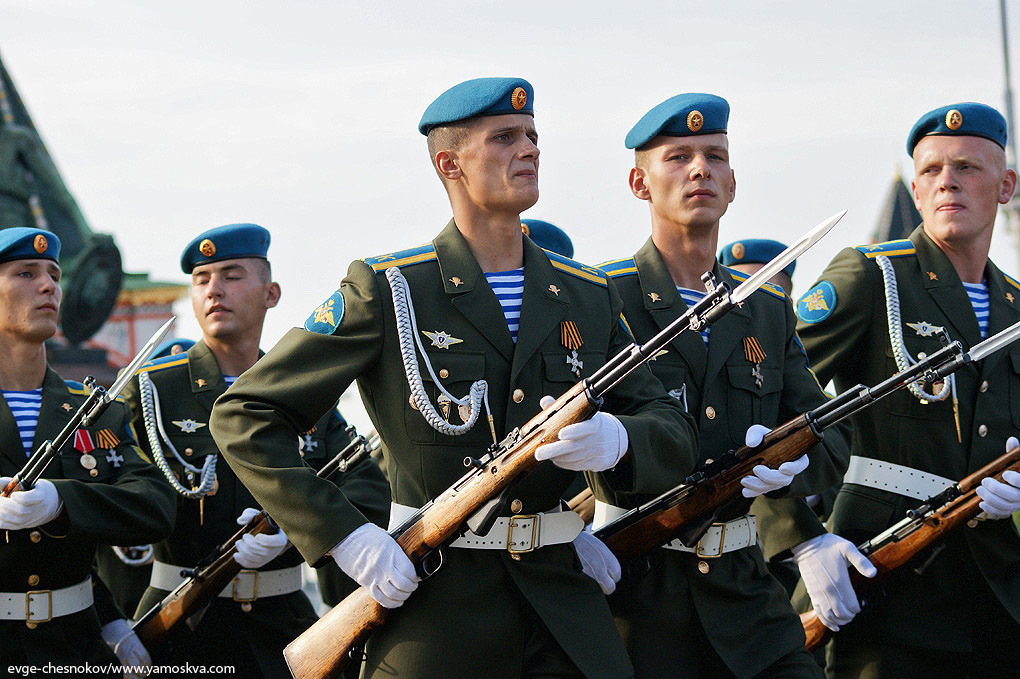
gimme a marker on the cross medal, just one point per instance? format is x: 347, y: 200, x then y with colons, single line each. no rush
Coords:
x: 755, y: 355
x: 571, y: 340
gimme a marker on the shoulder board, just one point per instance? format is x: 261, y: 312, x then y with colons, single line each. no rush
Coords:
x: 892, y: 248
x: 615, y: 268
x: 1012, y: 281
x: 422, y: 253
x: 769, y: 288
x: 164, y: 362
x: 576, y: 269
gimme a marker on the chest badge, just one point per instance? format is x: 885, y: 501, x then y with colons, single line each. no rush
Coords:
x: 755, y: 354
x: 66, y: 407
x: 932, y: 276
x: 114, y: 459
x: 306, y: 443
x: 457, y: 282
x: 200, y: 382
x: 654, y: 296
x: 924, y: 328
x: 442, y: 339
x: 554, y: 290
x: 84, y: 445
x: 1009, y: 297
x: 189, y: 426
x: 570, y: 337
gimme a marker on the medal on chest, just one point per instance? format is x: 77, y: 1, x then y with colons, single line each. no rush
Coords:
x: 755, y: 355
x: 571, y: 340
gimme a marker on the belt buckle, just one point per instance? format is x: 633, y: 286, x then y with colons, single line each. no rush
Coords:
x: 511, y: 545
x: 28, y: 606
x: 251, y: 576
x: 722, y: 536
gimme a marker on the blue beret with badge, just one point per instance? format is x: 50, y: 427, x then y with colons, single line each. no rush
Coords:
x: 684, y: 115
x: 754, y: 251
x: 479, y: 97
x: 22, y: 242
x: 172, y: 347
x: 964, y: 119
x: 548, y: 236
x: 233, y: 241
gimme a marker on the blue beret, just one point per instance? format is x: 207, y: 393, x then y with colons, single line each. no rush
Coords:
x: 754, y: 251
x: 479, y: 97
x: 548, y: 236
x: 684, y: 115
x: 21, y: 242
x: 233, y: 241
x: 166, y: 348
x: 965, y: 119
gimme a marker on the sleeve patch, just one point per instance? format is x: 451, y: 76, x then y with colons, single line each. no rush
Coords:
x: 817, y: 303
x: 327, y: 316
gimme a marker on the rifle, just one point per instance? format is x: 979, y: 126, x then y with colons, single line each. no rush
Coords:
x: 921, y: 528
x: 688, y: 510
x: 91, y: 410
x: 474, y: 500
x: 207, y: 579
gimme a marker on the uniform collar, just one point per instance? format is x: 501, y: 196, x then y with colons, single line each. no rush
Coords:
x: 940, y: 279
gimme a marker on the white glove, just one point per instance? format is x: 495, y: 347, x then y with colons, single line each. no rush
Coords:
x: 763, y: 480
x: 823, y: 566
x: 1000, y: 500
x: 119, y: 636
x: 597, y: 562
x: 375, y: 561
x: 593, y: 445
x: 255, y: 551
x: 29, y: 508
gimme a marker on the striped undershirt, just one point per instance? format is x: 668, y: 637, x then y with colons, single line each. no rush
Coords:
x: 229, y: 379
x: 24, y: 406
x: 509, y: 289
x: 690, y: 298
x: 978, y: 293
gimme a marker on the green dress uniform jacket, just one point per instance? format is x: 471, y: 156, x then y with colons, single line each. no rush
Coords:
x: 187, y: 385
x: 851, y: 345
x: 745, y: 613
x: 123, y: 503
x: 471, y: 619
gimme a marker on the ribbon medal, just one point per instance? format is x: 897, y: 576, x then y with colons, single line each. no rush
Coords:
x: 83, y: 444
x: 754, y: 354
x: 571, y: 340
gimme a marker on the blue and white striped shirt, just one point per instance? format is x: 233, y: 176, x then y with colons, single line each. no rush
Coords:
x: 24, y: 406
x: 509, y: 289
x: 978, y: 293
x: 690, y: 298
x: 229, y: 379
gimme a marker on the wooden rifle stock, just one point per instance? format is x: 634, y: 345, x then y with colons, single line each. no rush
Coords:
x: 900, y: 544
x: 324, y: 649
x: 583, y: 504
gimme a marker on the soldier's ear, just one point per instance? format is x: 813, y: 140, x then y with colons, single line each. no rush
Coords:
x: 1008, y: 186
x: 638, y: 186
x: 272, y: 295
x: 447, y: 165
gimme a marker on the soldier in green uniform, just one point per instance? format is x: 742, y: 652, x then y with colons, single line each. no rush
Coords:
x: 474, y: 315
x: 102, y: 490
x: 263, y: 609
x: 874, y: 309
x: 713, y: 610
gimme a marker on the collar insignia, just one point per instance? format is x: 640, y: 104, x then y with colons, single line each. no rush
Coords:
x: 554, y: 290
x: 932, y: 276
x: 200, y: 382
x: 1009, y: 297
x: 189, y: 426
x: 442, y: 339
x: 67, y: 406
x: 924, y: 328
x: 654, y: 296
x: 457, y: 282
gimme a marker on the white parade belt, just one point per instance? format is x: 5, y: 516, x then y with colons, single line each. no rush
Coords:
x: 42, y: 605
x: 248, y: 585
x: 516, y: 534
x: 894, y: 478
x: 719, y: 539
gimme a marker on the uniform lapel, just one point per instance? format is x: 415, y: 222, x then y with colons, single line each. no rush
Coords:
x: 664, y: 305
x: 944, y: 286
x: 468, y: 290
x: 541, y: 308
x: 52, y: 413
x: 727, y: 331
x: 207, y: 381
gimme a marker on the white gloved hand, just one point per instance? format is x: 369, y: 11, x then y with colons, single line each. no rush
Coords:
x: 375, y: 561
x: 823, y: 566
x: 593, y: 445
x: 999, y: 500
x: 119, y: 636
x: 763, y: 480
x: 255, y: 551
x: 29, y: 508
x: 597, y: 561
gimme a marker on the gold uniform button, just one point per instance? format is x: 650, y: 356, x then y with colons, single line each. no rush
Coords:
x: 984, y: 386
x: 189, y: 452
x: 710, y: 414
x: 246, y: 607
x: 703, y: 567
x: 518, y: 395
x: 444, y: 373
x: 982, y: 431
x: 35, y: 536
x: 33, y: 580
x: 93, y: 473
x: 516, y: 506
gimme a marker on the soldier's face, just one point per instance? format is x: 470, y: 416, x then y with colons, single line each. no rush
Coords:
x: 958, y: 186
x: 29, y: 299
x: 499, y: 163
x: 686, y: 180
x: 230, y: 298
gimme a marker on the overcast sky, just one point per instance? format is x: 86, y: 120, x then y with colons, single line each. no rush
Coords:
x: 166, y: 119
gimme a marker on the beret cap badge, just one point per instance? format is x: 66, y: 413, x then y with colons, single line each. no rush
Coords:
x: 518, y: 98
x: 738, y: 250
x: 40, y: 244
x: 954, y: 119
x: 695, y: 120
x: 207, y: 248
